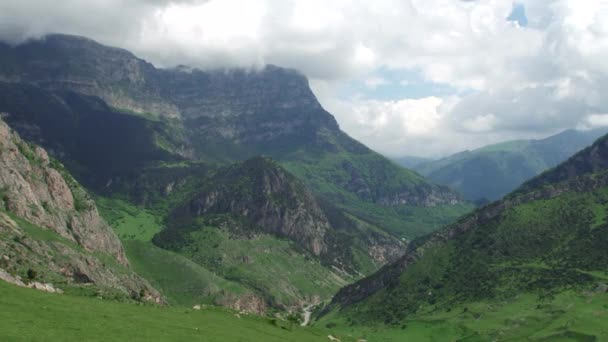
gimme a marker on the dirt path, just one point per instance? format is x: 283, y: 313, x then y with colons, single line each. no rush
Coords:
x: 307, y: 313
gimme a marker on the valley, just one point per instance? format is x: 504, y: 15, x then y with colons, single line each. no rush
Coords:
x: 177, y: 204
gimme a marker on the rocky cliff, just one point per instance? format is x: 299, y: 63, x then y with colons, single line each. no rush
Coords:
x: 218, y: 115
x: 272, y: 201
x: 50, y: 198
x: 262, y: 192
x: 54, y: 224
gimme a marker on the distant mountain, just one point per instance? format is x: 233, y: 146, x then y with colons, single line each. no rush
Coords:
x: 411, y: 162
x: 539, y: 256
x: 51, y: 232
x: 184, y: 145
x: 490, y: 172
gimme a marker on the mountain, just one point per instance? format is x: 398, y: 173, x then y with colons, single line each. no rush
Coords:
x: 109, y: 114
x: 255, y: 223
x: 173, y: 159
x: 522, y: 267
x: 51, y: 231
x: 493, y: 171
x: 411, y: 162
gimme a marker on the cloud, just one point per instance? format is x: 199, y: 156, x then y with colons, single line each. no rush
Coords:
x: 510, y: 80
x: 594, y: 121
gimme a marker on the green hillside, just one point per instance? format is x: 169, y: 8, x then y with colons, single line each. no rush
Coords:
x: 543, y: 246
x: 225, y: 258
x: 568, y: 316
x: 490, y: 172
x: 30, y: 315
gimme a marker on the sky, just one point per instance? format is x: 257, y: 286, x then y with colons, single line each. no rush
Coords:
x: 406, y: 77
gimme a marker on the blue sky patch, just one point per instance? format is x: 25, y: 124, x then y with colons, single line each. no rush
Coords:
x: 391, y: 85
x: 518, y: 14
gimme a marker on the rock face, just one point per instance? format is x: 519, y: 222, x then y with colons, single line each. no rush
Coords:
x: 39, y: 193
x: 264, y: 193
x: 270, y: 200
x: 50, y: 227
x: 425, y: 196
x: 221, y: 115
x: 224, y: 104
x: 84, y: 66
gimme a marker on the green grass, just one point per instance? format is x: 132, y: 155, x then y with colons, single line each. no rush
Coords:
x: 30, y: 315
x: 213, y: 269
x: 275, y: 267
x: 181, y: 280
x: 130, y: 222
x: 543, y: 247
x: 330, y: 175
x: 569, y: 316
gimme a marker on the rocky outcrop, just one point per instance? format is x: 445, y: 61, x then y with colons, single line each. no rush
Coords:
x: 50, y: 227
x: 9, y: 278
x: 87, y: 67
x: 424, y: 196
x: 251, y: 303
x: 39, y: 193
x: 266, y: 195
x: 228, y: 101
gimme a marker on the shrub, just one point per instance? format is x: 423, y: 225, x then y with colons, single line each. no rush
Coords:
x: 31, y: 274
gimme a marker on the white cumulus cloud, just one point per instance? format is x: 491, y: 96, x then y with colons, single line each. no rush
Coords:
x: 510, y: 81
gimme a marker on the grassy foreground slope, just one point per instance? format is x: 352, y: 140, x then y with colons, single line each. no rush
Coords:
x: 182, y: 281
x: 569, y: 316
x: 30, y: 315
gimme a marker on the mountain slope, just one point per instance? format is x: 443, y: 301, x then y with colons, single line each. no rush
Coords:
x: 545, y: 239
x: 180, y: 146
x: 411, y: 162
x: 491, y: 172
x: 214, y: 116
x: 70, y: 318
x: 256, y: 224
x: 50, y: 228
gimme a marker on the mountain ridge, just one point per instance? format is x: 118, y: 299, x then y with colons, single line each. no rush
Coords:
x: 546, y: 238
x: 492, y: 171
x: 178, y: 142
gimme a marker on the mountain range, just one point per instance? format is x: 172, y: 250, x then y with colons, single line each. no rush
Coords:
x: 488, y: 173
x: 541, y: 251
x: 226, y: 174
x: 222, y: 204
